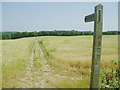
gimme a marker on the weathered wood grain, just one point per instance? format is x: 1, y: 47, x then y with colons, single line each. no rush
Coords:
x: 97, y: 17
x: 89, y: 18
x: 97, y: 42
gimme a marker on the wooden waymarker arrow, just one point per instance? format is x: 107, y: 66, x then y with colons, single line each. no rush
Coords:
x: 89, y: 18
x: 97, y: 17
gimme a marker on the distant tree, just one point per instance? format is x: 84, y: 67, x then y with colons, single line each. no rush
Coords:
x: 15, y: 35
x: 6, y: 36
x: 25, y: 34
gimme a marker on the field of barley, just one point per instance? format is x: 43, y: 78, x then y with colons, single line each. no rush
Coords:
x: 0, y: 64
x: 53, y: 61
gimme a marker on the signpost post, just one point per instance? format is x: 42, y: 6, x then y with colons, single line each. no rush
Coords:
x: 97, y: 17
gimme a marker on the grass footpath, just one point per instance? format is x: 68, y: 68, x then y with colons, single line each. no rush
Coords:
x: 58, y: 78
x: 53, y: 61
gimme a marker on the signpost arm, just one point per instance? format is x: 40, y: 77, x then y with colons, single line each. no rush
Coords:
x: 89, y: 18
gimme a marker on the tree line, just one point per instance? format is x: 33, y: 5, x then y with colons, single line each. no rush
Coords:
x: 16, y: 35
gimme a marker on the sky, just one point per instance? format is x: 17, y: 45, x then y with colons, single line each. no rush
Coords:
x: 43, y: 16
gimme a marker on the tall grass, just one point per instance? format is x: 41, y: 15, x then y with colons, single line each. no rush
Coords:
x: 74, y: 53
x: 0, y: 64
x: 15, y: 54
x: 69, y: 55
x: 77, y: 50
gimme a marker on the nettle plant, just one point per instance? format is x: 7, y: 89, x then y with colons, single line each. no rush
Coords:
x: 111, y: 79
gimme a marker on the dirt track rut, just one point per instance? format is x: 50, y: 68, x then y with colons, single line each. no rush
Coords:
x: 40, y: 77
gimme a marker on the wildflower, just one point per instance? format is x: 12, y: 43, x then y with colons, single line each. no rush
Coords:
x: 107, y: 86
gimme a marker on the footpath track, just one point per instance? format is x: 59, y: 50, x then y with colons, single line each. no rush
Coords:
x: 43, y: 76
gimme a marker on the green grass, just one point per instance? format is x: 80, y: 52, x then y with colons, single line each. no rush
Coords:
x: 15, y: 54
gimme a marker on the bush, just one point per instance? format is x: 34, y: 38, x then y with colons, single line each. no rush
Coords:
x: 111, y: 79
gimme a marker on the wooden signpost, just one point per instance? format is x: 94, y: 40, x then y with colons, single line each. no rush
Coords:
x: 97, y: 17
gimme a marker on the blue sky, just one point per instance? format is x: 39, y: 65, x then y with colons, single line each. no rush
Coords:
x: 36, y: 16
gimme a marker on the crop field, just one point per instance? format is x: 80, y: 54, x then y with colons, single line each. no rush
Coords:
x: 0, y: 64
x: 53, y: 61
x: 15, y: 54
